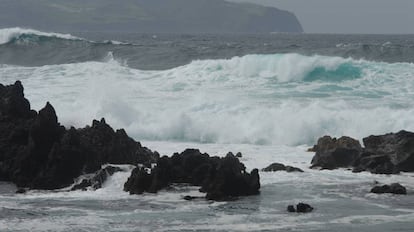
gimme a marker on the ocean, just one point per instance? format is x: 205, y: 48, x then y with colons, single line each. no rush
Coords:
x: 267, y: 96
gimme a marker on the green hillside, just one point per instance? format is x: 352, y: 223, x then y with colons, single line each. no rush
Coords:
x: 180, y: 16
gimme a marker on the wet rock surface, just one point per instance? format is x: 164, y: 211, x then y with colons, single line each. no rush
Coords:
x: 37, y: 152
x: 97, y: 179
x: 220, y: 178
x: 394, y: 188
x: 333, y: 153
x: 274, y: 167
x: 300, y: 208
x: 382, y: 154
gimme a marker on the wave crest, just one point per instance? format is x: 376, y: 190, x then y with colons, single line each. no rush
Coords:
x: 13, y: 34
x: 254, y: 99
x: 280, y: 67
x: 22, y: 35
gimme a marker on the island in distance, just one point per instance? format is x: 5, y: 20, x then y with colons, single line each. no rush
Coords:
x: 147, y: 16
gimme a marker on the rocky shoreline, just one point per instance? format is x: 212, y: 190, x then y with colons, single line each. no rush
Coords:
x: 36, y: 152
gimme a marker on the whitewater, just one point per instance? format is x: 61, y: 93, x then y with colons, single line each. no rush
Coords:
x: 259, y: 95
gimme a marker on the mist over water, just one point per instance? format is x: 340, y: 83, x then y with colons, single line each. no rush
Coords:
x: 268, y: 96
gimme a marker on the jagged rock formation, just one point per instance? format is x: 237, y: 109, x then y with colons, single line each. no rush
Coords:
x: 37, y: 152
x: 382, y: 154
x: 221, y: 178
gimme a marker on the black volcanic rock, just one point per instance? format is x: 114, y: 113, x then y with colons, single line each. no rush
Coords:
x: 377, y: 164
x: 303, y: 208
x: 394, y: 188
x: 13, y: 104
x: 191, y: 198
x: 37, y: 152
x: 300, y: 208
x: 333, y: 153
x: 20, y: 191
x: 291, y: 209
x: 398, y: 147
x: 382, y: 154
x: 97, y: 179
x: 274, y: 167
x: 230, y: 179
x: 220, y: 178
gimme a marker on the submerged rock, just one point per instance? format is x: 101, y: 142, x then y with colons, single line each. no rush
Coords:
x: 291, y: 209
x: 20, y: 191
x: 394, y: 188
x: 37, y: 152
x: 303, y: 208
x: 300, y: 208
x: 274, y: 167
x: 191, y: 198
x: 219, y: 178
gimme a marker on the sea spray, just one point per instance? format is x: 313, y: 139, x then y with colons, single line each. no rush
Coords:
x: 256, y: 99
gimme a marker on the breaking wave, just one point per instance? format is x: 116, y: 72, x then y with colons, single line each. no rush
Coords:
x: 256, y: 99
x: 16, y: 34
x: 19, y: 35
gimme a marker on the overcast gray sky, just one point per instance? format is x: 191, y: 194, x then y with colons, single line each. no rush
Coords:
x: 349, y: 16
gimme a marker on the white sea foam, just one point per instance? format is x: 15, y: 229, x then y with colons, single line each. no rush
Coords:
x: 256, y: 99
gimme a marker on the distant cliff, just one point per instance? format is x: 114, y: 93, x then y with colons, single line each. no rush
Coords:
x: 169, y: 16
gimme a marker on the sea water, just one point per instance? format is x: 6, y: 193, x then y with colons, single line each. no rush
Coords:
x: 269, y: 97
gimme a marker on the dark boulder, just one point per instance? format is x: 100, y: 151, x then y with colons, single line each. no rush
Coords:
x: 230, y: 179
x: 274, y: 167
x: 192, y: 198
x: 394, y: 188
x: 97, y: 179
x: 139, y: 182
x: 300, y: 208
x: 291, y: 209
x: 398, y: 147
x: 334, y: 153
x: 37, y: 152
x: 303, y: 208
x: 220, y: 178
x: 20, y: 191
x: 382, y: 154
x: 377, y: 164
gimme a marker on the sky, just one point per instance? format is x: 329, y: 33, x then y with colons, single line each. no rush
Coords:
x: 349, y: 16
